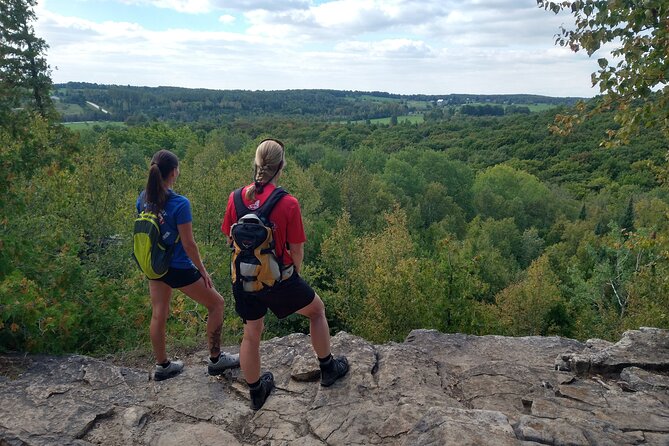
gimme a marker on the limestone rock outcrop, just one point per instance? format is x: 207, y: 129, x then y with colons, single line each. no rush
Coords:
x: 432, y: 389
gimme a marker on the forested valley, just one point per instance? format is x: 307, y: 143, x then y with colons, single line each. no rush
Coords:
x: 489, y: 215
x: 81, y: 101
x: 482, y: 225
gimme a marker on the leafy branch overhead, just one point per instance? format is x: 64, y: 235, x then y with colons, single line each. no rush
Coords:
x: 633, y: 79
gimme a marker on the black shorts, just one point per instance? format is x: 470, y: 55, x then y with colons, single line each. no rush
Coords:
x: 180, y: 277
x: 284, y: 299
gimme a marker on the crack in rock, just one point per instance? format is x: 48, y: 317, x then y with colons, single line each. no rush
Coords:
x: 57, y: 392
x: 572, y: 398
x: 335, y: 430
x: 488, y: 395
x: 375, y: 367
x: 90, y: 424
x: 167, y: 412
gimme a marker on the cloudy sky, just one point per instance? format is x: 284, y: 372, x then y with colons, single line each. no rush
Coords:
x: 397, y: 46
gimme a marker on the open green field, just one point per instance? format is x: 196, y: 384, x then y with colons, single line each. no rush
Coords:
x: 81, y: 125
x: 368, y: 97
x: 412, y: 119
x: 538, y: 107
x: 68, y: 109
x: 541, y: 107
x: 425, y: 105
x: 419, y: 105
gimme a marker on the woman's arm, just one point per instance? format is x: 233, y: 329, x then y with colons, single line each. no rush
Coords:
x: 188, y: 241
x: 297, y: 254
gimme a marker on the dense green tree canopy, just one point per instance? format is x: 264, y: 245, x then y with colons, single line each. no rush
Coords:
x: 474, y: 224
x: 428, y: 234
x: 502, y: 191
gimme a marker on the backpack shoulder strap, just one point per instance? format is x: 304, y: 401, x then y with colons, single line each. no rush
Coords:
x: 142, y: 201
x: 266, y: 209
x: 240, y: 209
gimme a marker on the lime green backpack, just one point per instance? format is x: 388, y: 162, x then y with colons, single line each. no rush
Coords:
x: 151, y: 255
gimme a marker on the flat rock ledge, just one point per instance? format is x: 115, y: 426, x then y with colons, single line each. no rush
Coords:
x: 432, y: 389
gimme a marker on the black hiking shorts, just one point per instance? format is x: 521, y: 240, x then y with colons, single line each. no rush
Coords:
x: 181, y: 277
x: 284, y: 299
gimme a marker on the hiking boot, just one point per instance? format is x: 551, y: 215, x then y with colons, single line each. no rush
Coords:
x: 332, y: 370
x: 259, y: 395
x: 161, y: 373
x: 225, y: 361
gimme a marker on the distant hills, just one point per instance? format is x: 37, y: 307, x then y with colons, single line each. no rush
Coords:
x: 80, y: 101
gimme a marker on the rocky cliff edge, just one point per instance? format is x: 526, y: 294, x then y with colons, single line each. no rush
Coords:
x: 432, y: 389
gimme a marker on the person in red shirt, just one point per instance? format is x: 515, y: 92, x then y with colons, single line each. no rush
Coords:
x: 290, y: 295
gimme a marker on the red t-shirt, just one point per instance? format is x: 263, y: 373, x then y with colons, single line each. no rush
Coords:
x: 286, y: 219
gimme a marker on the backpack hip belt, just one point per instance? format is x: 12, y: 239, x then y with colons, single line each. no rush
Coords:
x: 286, y: 272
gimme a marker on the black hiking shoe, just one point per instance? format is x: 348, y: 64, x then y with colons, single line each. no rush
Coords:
x: 225, y: 361
x: 259, y: 395
x: 332, y: 370
x: 173, y: 369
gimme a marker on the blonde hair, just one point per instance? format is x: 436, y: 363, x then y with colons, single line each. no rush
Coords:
x: 268, y: 163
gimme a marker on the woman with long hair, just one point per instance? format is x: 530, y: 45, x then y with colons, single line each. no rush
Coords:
x: 186, y: 271
x: 292, y: 294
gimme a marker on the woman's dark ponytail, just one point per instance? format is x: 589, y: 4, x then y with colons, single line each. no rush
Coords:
x: 163, y: 163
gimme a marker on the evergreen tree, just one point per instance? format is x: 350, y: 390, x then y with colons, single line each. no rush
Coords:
x: 627, y: 221
x: 583, y: 214
x: 24, y: 73
x: 601, y: 228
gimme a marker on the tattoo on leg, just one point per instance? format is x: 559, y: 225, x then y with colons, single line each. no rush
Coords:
x: 215, y: 341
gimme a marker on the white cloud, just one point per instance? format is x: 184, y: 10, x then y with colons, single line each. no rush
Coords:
x: 389, y: 48
x: 348, y: 17
x: 266, y: 5
x: 227, y: 18
x: 461, y: 22
x: 186, y: 6
x: 402, y: 46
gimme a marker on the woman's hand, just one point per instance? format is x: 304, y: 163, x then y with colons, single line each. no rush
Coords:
x: 207, y: 279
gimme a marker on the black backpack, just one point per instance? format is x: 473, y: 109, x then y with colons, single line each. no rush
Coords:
x: 254, y: 265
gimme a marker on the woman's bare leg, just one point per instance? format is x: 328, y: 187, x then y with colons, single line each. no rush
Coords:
x: 318, y: 326
x: 161, y: 294
x: 249, y: 352
x: 215, y: 306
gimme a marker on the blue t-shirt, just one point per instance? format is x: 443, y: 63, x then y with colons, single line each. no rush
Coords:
x: 177, y: 211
